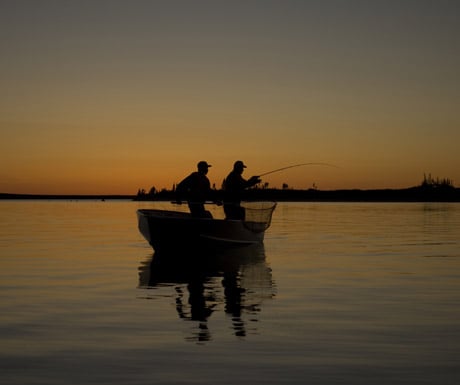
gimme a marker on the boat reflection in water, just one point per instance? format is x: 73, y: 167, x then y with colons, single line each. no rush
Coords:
x: 235, y: 281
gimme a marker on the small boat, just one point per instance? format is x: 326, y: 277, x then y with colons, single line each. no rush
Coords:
x: 167, y: 229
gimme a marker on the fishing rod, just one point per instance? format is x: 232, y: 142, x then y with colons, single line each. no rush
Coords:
x: 298, y: 165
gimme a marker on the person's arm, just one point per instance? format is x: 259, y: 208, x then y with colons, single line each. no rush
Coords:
x: 252, y: 181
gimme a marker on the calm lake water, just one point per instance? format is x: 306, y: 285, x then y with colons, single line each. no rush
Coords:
x: 341, y: 293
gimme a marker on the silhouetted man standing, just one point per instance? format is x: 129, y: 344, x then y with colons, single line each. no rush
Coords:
x: 196, y: 188
x: 233, y: 187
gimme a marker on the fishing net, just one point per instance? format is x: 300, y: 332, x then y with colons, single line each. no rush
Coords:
x: 258, y: 215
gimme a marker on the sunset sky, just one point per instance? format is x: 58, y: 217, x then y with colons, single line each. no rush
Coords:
x: 106, y: 97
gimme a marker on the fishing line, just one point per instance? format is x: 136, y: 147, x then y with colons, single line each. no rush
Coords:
x: 298, y: 165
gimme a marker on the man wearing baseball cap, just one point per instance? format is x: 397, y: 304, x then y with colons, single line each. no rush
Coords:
x: 196, y: 188
x: 233, y: 187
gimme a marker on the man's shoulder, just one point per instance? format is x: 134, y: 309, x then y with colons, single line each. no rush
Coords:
x: 188, y: 178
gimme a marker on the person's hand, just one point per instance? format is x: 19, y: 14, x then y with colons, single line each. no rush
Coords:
x: 255, y: 179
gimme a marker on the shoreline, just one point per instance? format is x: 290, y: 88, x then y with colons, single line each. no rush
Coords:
x: 413, y: 194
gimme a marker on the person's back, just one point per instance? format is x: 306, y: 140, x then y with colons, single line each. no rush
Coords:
x: 195, y: 186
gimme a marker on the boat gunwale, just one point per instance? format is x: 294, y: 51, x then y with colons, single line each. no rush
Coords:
x: 171, y: 214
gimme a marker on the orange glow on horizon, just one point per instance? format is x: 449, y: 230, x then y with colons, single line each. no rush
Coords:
x: 117, y: 101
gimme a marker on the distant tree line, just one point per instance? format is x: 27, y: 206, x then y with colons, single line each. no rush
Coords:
x: 429, y: 189
x: 154, y: 194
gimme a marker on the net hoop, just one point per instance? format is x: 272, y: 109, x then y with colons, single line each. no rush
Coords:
x: 258, y: 215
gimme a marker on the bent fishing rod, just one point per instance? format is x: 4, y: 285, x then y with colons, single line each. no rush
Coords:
x: 299, y: 165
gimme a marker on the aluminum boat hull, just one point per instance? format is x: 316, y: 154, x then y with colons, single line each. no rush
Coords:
x: 164, y: 229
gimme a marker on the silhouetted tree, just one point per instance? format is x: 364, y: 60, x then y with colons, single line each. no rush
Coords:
x: 430, y: 182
